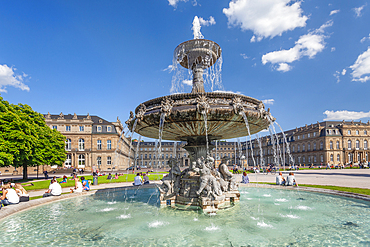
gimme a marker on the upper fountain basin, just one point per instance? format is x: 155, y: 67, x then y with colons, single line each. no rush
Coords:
x: 185, y: 116
x: 197, y: 52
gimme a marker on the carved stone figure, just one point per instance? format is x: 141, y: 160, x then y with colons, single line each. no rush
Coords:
x: 228, y: 177
x: 202, y: 104
x: 141, y: 112
x: 166, y: 105
x: 237, y: 105
x: 207, y: 181
x: 171, y: 182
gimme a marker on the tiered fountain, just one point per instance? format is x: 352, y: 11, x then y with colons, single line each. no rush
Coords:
x: 199, y: 118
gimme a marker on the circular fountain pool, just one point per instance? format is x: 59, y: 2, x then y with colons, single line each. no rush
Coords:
x: 263, y: 217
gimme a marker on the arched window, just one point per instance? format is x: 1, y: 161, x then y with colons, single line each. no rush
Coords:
x: 68, y: 162
x: 309, y: 148
x: 68, y: 144
x: 314, y: 146
x: 303, y: 148
x: 331, y: 144
x: 99, y: 145
x: 109, y: 145
x: 98, y: 160
x: 365, y: 144
x: 298, y: 148
x: 331, y: 157
x: 304, y: 159
x: 81, y: 144
x: 338, y: 157
x: 349, y: 144
x: 81, y: 159
x: 357, y: 144
x: 338, y: 145
x: 321, y: 145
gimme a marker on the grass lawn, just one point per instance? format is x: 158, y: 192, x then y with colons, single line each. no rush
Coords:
x: 101, y: 180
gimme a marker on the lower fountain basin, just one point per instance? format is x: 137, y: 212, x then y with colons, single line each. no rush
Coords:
x: 263, y: 217
x: 185, y: 116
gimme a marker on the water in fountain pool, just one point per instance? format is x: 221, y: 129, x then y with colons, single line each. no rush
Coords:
x: 281, y: 219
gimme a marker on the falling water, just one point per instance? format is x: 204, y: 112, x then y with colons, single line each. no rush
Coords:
x: 206, y: 128
x: 249, y: 134
x: 262, y: 161
x: 129, y: 151
x: 137, y: 153
x: 273, y: 145
x: 273, y: 132
x: 159, y: 147
x: 287, y: 145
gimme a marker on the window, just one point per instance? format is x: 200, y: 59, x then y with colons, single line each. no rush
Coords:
x: 82, y: 128
x: 314, y: 133
x: 166, y: 156
x: 331, y: 144
x: 298, y: 137
x: 150, y: 156
x: 304, y: 159
x: 109, y: 129
x: 55, y: 127
x: 314, y: 146
x: 357, y: 132
x: 68, y: 144
x: 349, y: 144
x: 309, y: 148
x: 109, y: 144
x: 365, y: 144
x: 314, y: 159
x: 98, y: 128
x: 303, y: 149
x: 298, y: 148
x: 338, y: 157
x: 349, y: 132
x: 81, y: 159
x: 68, y: 128
x: 308, y: 135
x: 321, y: 145
x: 81, y: 145
x: 146, y: 156
x: 98, y: 160
x: 365, y: 132
x: 322, y: 158
x: 109, y: 160
x: 338, y: 145
x: 302, y: 136
x: 331, y: 158
x: 309, y: 159
x: 357, y: 144
x: 99, y: 145
x: 162, y: 156
x: 68, y: 160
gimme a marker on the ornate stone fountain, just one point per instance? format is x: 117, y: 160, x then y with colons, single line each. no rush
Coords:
x: 199, y: 118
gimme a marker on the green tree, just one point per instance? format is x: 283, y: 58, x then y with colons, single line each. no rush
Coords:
x: 26, y: 140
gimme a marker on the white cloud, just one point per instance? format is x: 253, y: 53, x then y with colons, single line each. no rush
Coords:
x: 268, y: 101
x: 307, y: 45
x: 173, y: 3
x: 337, y: 75
x: 188, y: 82
x: 244, y: 56
x: 358, y: 10
x: 210, y: 22
x: 267, y: 18
x: 345, y: 115
x: 361, y: 68
x: 9, y: 78
x: 365, y: 38
x: 253, y: 39
x: 333, y: 12
x: 284, y: 67
x: 344, y: 71
x: 332, y: 49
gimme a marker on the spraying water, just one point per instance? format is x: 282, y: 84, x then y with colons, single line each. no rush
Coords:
x: 249, y: 134
x: 287, y: 145
x: 196, y: 28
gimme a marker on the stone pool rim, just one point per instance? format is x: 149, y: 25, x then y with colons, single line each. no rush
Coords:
x: 10, y: 210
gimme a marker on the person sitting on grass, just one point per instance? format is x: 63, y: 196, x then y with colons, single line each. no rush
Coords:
x: 78, y: 186
x: 116, y: 176
x: 280, y: 180
x: 9, y: 196
x: 54, y: 189
x: 109, y: 176
x: 85, y: 184
x: 138, y: 180
x: 146, y: 178
x: 64, y: 180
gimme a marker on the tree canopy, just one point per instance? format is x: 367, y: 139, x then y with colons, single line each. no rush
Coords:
x: 26, y: 140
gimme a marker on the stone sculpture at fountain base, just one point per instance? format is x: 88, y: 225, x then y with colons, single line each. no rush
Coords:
x: 199, y: 187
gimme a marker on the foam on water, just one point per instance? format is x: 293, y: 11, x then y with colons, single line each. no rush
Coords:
x: 212, y: 228
x: 292, y: 216
x: 244, y: 192
x: 281, y: 200
x: 124, y: 216
x: 267, y: 195
x: 110, y: 203
x: 264, y: 225
x: 195, y: 219
x: 301, y: 207
x: 156, y: 224
x: 253, y: 218
x: 107, y: 209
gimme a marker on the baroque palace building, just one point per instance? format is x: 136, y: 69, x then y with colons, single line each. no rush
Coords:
x: 92, y: 142
x: 333, y: 142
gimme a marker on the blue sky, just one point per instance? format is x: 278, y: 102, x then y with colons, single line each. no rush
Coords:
x: 308, y: 60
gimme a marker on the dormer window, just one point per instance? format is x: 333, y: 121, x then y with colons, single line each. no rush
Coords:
x: 109, y: 128
x: 98, y: 128
x: 100, y: 120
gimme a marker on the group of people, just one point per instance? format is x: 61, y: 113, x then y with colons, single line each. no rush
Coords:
x: 55, y: 189
x: 140, y: 181
x: 111, y: 177
x: 13, y: 193
x: 289, y: 181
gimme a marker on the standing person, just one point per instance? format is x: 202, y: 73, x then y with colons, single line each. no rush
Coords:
x: 85, y: 184
x: 138, y: 180
x: 54, y: 189
x: 245, y: 178
x: 328, y: 166
x: 9, y: 196
x: 145, y: 178
x: 46, y: 174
